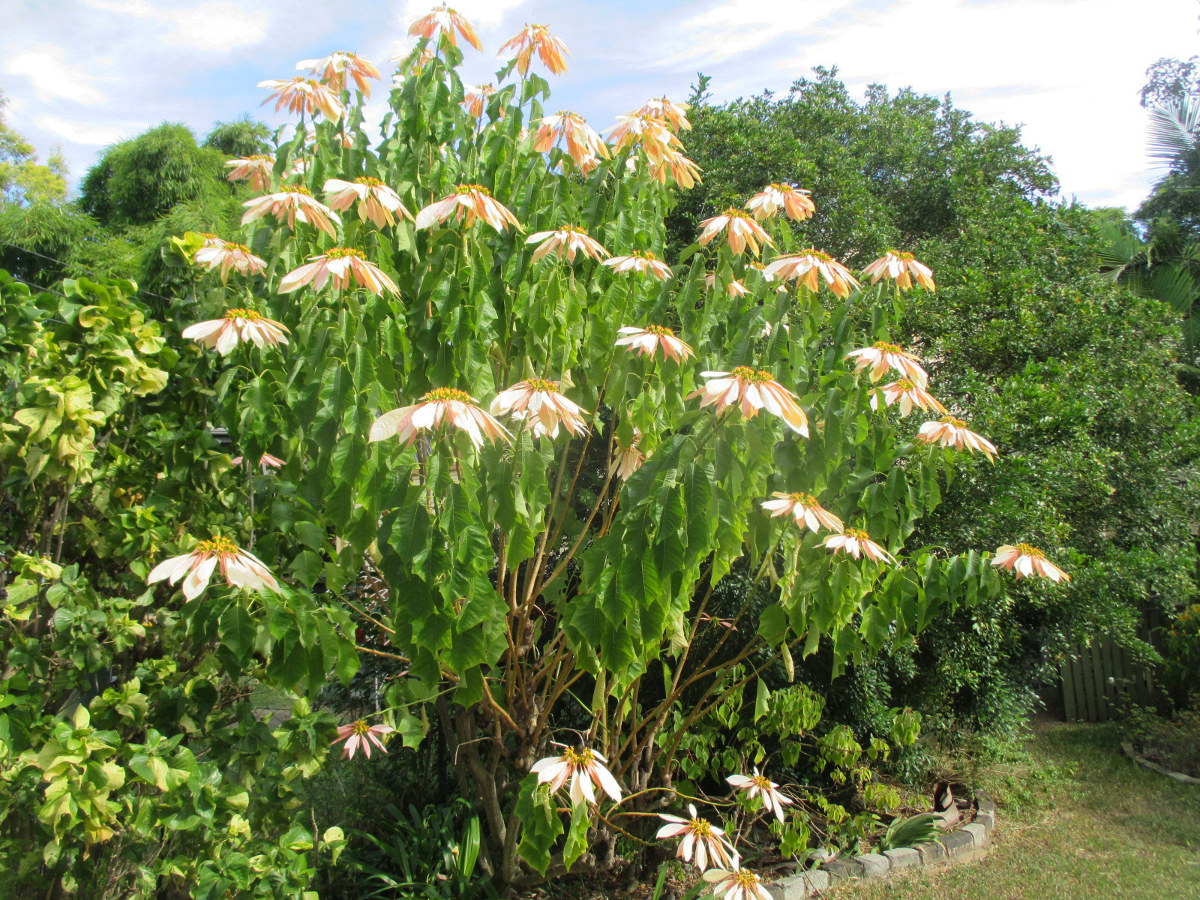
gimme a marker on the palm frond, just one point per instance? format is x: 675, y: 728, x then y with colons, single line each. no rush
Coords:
x: 1174, y: 131
x: 1120, y: 250
x: 1173, y: 284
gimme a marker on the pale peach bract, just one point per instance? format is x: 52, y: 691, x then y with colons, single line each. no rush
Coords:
x: 740, y: 229
x: 293, y: 204
x: 235, y: 326
x: 536, y: 39
x: 902, y: 268
x: 360, y: 734
x: 908, y: 394
x: 584, y: 769
x: 857, y: 543
x: 583, y: 144
x: 733, y: 288
x: 341, y: 266
x: 952, y: 432
x: 751, y: 390
x: 228, y: 256
x: 795, y: 202
x: 881, y: 356
x: 628, y: 458
x: 761, y: 787
x: 1024, y: 560
x: 240, y: 568
x: 646, y: 341
x: 469, y: 203
x: 441, y: 406
x: 335, y: 68
x: 304, y: 95
x: 475, y: 98
x: 674, y: 114
x: 442, y: 20
x: 739, y: 885
x: 643, y: 262
x: 257, y: 169
x: 538, y: 403
x: 377, y: 202
x: 804, y: 509
x: 806, y: 265
x: 565, y: 243
x: 702, y: 840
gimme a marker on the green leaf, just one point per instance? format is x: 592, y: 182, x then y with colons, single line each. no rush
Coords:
x: 540, y: 824
x: 576, y: 844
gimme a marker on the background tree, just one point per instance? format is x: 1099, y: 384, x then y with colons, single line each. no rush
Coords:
x: 241, y: 137
x: 1074, y: 378
x: 138, y: 180
x: 23, y: 180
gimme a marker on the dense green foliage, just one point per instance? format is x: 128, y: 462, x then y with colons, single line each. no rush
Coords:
x: 506, y: 595
x: 138, y: 180
x: 1073, y: 378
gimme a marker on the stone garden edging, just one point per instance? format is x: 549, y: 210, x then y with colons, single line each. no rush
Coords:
x: 1127, y: 749
x: 965, y: 844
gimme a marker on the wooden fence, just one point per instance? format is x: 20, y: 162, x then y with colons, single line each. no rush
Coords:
x: 1100, y: 679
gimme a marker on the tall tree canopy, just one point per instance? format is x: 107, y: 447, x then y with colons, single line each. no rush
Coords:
x: 1074, y: 378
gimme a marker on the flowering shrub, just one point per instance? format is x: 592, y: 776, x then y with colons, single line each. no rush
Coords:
x: 569, y: 528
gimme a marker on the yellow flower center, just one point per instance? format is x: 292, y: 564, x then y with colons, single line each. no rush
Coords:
x: 311, y: 82
x: 573, y: 229
x: 540, y: 384
x: 446, y: 394
x: 786, y: 188
x: 578, y: 759
x: 950, y: 420
x: 761, y: 781
x: 857, y: 533
x: 235, y: 248
x: 361, y: 727
x: 804, y: 500
x: 905, y: 385
x: 643, y: 254
x: 369, y: 182
x: 343, y: 252
x: 662, y: 330
x: 736, y: 213
x: 744, y: 879
x: 297, y: 189
x: 816, y: 254
x: 757, y: 265
x: 701, y: 828
x: 887, y: 348
x: 211, y: 237
x: 472, y: 189
x: 901, y: 255
x: 261, y: 157
x: 247, y: 314
x: 754, y: 376
x: 218, y: 545
x: 1029, y: 550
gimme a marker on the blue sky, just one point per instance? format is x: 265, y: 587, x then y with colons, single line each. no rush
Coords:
x: 86, y: 73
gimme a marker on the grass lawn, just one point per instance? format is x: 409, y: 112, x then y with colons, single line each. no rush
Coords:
x: 1102, y: 828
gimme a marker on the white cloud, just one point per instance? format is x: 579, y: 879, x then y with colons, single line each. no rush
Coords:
x: 83, y: 133
x: 53, y: 78
x: 212, y: 26
x: 739, y: 27
x: 217, y: 26
x: 480, y: 13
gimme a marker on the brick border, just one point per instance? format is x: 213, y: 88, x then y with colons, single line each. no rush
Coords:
x: 1127, y: 749
x: 970, y: 842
